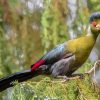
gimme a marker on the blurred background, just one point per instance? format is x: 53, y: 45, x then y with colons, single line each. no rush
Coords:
x: 29, y: 28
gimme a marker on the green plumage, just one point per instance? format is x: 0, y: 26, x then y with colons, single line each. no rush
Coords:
x: 81, y: 47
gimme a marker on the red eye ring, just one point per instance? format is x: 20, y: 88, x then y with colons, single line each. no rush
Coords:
x: 94, y: 23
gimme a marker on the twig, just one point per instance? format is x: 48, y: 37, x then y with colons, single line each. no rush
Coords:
x: 94, y: 68
x: 81, y: 93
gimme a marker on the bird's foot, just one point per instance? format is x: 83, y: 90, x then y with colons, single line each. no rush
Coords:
x: 79, y: 76
x: 66, y: 78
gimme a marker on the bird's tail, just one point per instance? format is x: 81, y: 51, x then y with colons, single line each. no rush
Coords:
x: 20, y: 77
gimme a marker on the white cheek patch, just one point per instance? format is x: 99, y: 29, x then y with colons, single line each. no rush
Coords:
x: 98, y: 26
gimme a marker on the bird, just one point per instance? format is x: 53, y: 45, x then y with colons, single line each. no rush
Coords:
x: 63, y: 60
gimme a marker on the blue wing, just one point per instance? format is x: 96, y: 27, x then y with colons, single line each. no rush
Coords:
x: 56, y: 54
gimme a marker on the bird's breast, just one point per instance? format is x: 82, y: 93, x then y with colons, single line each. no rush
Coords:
x: 81, y: 48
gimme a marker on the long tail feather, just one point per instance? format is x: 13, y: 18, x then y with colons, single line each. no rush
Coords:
x: 20, y: 77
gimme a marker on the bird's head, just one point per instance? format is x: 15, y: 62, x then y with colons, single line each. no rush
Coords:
x: 95, y: 23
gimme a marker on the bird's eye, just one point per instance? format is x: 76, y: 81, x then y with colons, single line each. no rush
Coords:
x: 94, y: 23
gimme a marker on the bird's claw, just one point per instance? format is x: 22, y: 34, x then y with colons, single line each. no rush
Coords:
x: 81, y: 76
x: 65, y: 78
x: 73, y: 77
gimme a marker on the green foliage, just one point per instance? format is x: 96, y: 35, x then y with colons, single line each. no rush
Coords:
x: 80, y: 24
x: 18, y: 48
x: 54, y: 23
x: 86, y: 66
x: 94, y: 5
x: 4, y: 54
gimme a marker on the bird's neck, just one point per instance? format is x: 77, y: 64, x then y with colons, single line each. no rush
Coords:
x: 92, y: 34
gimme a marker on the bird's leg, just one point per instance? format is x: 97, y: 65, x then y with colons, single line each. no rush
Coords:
x: 78, y: 75
x: 66, y: 78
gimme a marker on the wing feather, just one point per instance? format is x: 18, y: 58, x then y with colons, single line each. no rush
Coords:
x: 56, y: 54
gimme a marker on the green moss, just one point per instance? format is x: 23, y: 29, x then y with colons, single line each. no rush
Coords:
x: 47, y: 89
